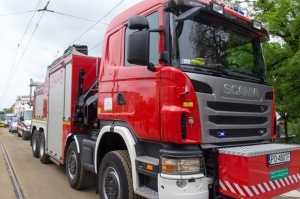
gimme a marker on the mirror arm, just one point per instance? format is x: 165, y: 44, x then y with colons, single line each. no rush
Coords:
x: 156, y: 30
x: 151, y: 67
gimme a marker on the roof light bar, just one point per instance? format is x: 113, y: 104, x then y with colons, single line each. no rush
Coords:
x: 238, y: 10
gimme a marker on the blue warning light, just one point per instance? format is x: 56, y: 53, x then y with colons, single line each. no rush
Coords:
x: 222, y: 134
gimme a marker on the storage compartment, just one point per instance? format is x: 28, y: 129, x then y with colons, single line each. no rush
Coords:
x: 259, y: 171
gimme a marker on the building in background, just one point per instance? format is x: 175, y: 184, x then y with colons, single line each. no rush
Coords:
x: 20, y: 104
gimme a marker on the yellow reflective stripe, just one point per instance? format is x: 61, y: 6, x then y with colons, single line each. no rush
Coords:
x: 66, y: 123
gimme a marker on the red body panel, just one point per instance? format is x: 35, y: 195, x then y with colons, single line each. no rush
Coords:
x: 173, y: 99
x: 249, y: 177
x: 66, y: 131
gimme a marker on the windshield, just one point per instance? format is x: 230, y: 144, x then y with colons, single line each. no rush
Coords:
x: 213, y: 46
x: 28, y: 115
x: 8, y: 117
x: 15, y: 119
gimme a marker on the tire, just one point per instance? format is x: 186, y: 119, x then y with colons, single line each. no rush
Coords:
x: 115, y: 178
x: 9, y: 130
x: 78, y: 177
x: 35, y: 144
x: 23, y: 135
x: 18, y: 133
x: 44, y: 158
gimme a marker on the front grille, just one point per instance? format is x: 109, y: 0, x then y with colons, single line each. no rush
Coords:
x: 235, y: 107
x: 233, y: 133
x: 236, y: 120
x: 218, y: 119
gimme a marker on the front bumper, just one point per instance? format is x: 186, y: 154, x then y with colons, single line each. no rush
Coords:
x: 193, y: 189
x: 27, y: 133
x: 14, y: 128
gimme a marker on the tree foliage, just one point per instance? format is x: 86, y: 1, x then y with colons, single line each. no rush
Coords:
x: 7, y: 110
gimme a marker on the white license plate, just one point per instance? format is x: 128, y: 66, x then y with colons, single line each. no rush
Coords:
x: 279, y: 158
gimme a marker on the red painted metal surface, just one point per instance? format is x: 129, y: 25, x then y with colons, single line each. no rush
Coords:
x: 249, y: 177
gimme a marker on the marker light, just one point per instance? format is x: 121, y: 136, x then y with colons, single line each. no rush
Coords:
x: 218, y: 8
x: 257, y: 25
x: 222, y: 134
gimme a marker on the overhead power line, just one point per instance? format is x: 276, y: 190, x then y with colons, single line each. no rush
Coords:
x: 95, y: 46
x: 16, y: 68
x: 30, y: 46
x: 94, y: 24
x: 11, y: 73
x: 16, y: 13
x: 60, y: 13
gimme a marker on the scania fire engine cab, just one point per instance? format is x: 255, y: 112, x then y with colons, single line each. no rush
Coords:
x: 178, y: 106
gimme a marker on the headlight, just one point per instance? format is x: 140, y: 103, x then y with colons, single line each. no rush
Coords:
x: 182, y: 166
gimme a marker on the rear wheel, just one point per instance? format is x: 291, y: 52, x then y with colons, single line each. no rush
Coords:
x: 115, y: 179
x: 44, y: 158
x: 78, y: 177
x: 35, y: 145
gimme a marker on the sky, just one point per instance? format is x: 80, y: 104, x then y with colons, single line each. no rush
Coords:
x: 30, y: 38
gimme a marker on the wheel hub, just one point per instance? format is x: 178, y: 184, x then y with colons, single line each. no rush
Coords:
x: 111, y: 184
x: 72, y: 165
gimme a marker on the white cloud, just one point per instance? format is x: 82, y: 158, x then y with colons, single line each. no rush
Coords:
x: 54, y: 33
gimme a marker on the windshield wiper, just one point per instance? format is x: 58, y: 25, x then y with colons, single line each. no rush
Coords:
x: 222, y: 71
x: 210, y: 70
x: 248, y: 74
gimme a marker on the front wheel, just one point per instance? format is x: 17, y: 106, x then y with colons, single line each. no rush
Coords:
x: 115, y: 179
x: 78, y: 177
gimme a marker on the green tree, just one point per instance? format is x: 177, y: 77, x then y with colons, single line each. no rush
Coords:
x: 282, y: 53
x: 7, y: 110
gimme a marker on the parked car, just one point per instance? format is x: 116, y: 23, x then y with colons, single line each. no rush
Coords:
x: 24, y: 123
x: 1, y: 123
x: 8, y: 118
x: 13, y: 125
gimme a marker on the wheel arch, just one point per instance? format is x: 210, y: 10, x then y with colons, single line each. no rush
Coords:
x: 116, y: 138
x: 78, y: 141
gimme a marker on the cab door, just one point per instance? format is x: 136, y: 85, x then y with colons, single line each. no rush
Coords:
x: 138, y: 89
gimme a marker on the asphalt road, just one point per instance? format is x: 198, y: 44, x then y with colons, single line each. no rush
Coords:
x: 37, y: 180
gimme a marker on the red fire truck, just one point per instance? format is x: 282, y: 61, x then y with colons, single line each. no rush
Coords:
x: 178, y: 106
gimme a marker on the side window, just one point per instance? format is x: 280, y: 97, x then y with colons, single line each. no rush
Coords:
x: 153, y: 23
x: 113, y: 50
